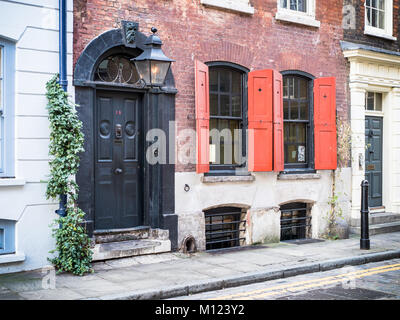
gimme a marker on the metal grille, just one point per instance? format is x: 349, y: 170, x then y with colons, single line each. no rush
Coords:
x: 224, y: 228
x: 295, y: 223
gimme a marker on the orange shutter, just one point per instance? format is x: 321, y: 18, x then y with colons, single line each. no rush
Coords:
x: 325, y: 123
x: 278, y: 122
x: 202, y: 104
x: 260, y: 100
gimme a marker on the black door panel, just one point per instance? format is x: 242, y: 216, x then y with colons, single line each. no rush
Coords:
x: 118, y: 175
x: 373, y: 159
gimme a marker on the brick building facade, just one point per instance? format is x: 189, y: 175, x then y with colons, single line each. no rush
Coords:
x: 371, y: 46
x: 248, y: 36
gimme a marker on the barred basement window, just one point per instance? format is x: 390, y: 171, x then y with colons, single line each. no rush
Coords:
x: 225, y: 228
x: 295, y: 221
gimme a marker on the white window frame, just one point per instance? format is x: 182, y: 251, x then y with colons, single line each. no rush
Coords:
x: 7, y: 105
x: 306, y: 18
x: 386, y: 33
x: 242, y: 6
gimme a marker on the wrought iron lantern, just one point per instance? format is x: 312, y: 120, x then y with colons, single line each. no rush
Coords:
x: 153, y: 65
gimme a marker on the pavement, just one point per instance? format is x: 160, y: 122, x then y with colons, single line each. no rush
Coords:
x: 171, y: 275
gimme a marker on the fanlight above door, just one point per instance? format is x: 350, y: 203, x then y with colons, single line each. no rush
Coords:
x: 117, y: 69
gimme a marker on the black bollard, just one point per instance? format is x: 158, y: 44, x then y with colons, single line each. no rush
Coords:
x: 364, y: 240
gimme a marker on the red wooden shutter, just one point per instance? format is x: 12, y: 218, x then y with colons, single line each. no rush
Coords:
x: 202, y: 103
x: 278, y: 122
x: 325, y: 123
x: 260, y: 100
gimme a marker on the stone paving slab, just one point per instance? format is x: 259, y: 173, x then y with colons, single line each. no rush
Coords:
x: 174, y: 274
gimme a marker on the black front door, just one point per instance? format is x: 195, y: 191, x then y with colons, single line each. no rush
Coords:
x: 373, y: 159
x: 118, y: 161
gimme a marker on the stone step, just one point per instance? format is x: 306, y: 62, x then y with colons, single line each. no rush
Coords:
x: 378, y: 218
x: 130, y: 248
x: 116, y: 235
x: 379, y: 228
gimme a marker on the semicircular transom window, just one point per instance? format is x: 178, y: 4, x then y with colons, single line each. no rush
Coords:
x: 117, y: 69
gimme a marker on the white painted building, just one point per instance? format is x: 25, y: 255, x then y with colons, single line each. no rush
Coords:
x: 29, y: 44
x: 375, y: 73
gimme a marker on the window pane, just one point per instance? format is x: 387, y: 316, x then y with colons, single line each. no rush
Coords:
x: 283, y: 3
x: 213, y: 80
x: 381, y: 4
x: 381, y: 20
x: 301, y: 133
x: 291, y: 87
x: 236, y: 106
x: 368, y: 3
x: 285, y: 109
x: 303, y: 89
x: 294, y: 111
x: 304, y: 110
x: 370, y: 101
x: 228, y: 141
x: 369, y: 16
x: 224, y: 100
x: 378, y: 101
x: 1, y: 144
x: 302, y: 5
x: 285, y: 88
x: 224, y: 84
x: 293, y: 4
x: 295, y: 143
x: 213, y: 104
x: 236, y: 82
x: 373, y: 3
x: 373, y: 18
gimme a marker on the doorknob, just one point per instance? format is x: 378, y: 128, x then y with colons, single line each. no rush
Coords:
x: 118, y: 171
x: 118, y: 131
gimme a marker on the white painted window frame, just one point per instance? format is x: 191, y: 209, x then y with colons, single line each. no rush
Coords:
x: 299, y: 17
x: 242, y: 6
x: 8, y: 106
x: 386, y: 33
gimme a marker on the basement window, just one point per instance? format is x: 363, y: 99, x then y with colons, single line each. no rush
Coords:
x: 295, y: 221
x: 225, y: 228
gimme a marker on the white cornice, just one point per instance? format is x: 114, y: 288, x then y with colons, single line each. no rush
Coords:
x: 362, y: 55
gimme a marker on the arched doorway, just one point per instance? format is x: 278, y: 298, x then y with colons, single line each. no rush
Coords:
x: 119, y: 189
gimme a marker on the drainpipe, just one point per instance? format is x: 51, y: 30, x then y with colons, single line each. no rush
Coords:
x: 62, y: 10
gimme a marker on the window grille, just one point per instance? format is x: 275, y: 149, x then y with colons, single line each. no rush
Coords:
x: 225, y: 228
x: 295, y: 221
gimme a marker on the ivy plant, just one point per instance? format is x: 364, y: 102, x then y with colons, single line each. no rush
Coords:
x: 66, y: 142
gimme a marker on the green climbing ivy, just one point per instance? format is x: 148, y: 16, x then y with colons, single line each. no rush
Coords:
x: 66, y: 142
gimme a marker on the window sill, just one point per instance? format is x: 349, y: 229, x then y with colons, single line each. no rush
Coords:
x: 298, y: 176
x: 12, y: 258
x: 217, y: 179
x: 378, y: 34
x: 239, y: 6
x: 297, y: 18
x: 11, y: 182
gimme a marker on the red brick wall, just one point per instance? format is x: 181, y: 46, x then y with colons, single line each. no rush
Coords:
x: 191, y: 31
x: 357, y: 34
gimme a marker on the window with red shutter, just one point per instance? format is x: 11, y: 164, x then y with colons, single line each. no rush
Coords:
x: 260, y: 116
x: 298, y: 121
x: 278, y: 122
x: 325, y: 123
x: 202, y: 117
x: 265, y: 121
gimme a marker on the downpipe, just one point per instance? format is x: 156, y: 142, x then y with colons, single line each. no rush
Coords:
x: 62, y: 7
